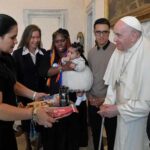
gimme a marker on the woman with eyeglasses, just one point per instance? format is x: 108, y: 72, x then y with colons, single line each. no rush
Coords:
x: 65, y: 134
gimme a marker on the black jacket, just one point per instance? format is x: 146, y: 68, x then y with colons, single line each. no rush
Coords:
x: 27, y: 72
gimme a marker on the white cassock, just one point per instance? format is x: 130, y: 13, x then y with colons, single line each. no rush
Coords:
x: 80, y: 79
x: 128, y: 77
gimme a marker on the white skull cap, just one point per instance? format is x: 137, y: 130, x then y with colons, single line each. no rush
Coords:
x: 132, y: 22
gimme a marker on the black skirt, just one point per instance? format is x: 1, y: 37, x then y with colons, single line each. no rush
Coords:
x: 7, y: 139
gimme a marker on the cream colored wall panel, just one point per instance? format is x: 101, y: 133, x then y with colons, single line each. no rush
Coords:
x: 48, y: 26
x: 75, y: 18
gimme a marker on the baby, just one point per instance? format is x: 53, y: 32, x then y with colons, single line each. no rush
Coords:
x: 80, y: 79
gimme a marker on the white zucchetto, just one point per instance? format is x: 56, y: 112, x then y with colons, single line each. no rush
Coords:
x: 132, y: 22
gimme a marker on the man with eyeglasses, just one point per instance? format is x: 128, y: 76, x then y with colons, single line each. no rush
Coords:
x: 98, y: 59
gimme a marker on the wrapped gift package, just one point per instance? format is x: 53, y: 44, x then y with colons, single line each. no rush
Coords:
x: 54, y: 102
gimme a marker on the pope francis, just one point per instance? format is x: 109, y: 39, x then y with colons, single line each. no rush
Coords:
x: 128, y: 80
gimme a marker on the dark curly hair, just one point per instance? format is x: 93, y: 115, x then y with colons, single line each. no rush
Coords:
x: 80, y: 49
x: 64, y: 33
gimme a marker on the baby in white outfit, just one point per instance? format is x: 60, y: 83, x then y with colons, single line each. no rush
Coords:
x: 80, y: 79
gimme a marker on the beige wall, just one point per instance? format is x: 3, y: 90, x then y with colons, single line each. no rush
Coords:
x: 98, y: 7
x: 75, y: 15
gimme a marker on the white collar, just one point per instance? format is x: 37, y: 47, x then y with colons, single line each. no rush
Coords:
x: 26, y: 51
x: 135, y: 71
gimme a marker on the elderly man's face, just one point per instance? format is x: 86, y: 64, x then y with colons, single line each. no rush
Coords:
x: 123, y: 36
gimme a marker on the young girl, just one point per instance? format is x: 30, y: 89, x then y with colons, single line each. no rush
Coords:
x: 80, y: 79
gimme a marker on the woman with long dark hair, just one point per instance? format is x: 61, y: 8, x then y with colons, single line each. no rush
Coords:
x: 10, y: 87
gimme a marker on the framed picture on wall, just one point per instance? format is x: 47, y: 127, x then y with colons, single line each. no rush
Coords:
x: 115, y: 9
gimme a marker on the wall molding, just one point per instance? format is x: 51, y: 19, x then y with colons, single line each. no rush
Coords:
x: 61, y: 14
x: 90, y: 16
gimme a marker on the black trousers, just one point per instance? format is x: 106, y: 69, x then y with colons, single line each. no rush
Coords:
x: 95, y: 121
x: 83, y: 126
x: 148, y: 126
x: 64, y: 135
x: 7, y: 139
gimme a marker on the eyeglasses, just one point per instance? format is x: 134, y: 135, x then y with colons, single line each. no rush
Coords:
x: 60, y: 41
x: 101, y: 33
